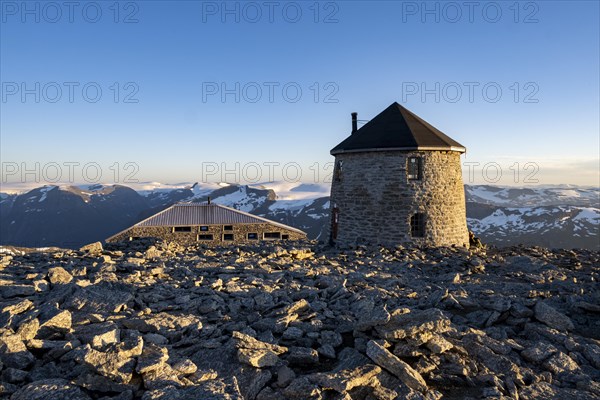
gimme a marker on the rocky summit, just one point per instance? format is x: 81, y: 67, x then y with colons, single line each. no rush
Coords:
x: 157, y: 321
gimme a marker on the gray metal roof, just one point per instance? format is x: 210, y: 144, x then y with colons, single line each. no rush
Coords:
x: 187, y: 214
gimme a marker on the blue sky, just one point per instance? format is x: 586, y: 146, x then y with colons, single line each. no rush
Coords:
x: 172, y: 59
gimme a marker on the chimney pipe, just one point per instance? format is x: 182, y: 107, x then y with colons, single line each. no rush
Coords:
x: 354, y: 122
x: 209, y: 200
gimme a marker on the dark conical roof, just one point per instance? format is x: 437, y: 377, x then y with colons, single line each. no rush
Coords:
x: 396, y: 128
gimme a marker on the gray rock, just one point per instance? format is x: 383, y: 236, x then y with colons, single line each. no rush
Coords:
x: 437, y: 344
x: 93, y: 248
x: 327, y: 351
x: 292, y: 333
x: 592, y: 353
x: 248, y: 342
x: 18, y: 308
x: 28, y: 329
x: 185, y: 367
x: 382, y: 357
x: 162, y: 375
x: 16, y: 290
x: 59, y: 276
x: 53, y: 322
x: 346, y: 380
x: 302, y: 356
x: 14, y: 375
x: 331, y: 338
x: 551, y: 317
x: 546, y: 391
x: 417, y: 325
x: 302, y: 389
x: 101, y: 298
x: 14, y: 353
x: 50, y: 389
x: 285, y: 376
x: 539, y: 352
x: 258, y: 358
x: 117, y: 362
x: 153, y: 357
x: 98, y: 335
x: 560, y: 363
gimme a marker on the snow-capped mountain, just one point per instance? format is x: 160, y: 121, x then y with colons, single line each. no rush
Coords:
x: 533, y: 196
x: 70, y: 216
x: 546, y: 216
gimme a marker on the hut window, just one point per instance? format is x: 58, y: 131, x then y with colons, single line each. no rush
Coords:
x: 205, y: 237
x: 285, y: 237
x: 338, y: 170
x: 417, y: 225
x: 182, y: 229
x: 227, y: 227
x: 253, y: 236
x: 415, y: 168
x: 228, y: 236
x: 272, y: 235
x: 204, y: 228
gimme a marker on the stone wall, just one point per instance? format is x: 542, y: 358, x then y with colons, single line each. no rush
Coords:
x: 375, y: 199
x: 240, y: 232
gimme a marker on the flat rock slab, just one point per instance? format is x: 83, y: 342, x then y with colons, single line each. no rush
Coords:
x: 382, y: 357
x: 415, y: 324
x: 346, y: 380
x: 50, y: 389
x: 101, y: 298
x: 553, y: 318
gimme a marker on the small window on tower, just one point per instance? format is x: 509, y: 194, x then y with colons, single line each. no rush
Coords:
x: 417, y: 225
x: 415, y: 168
x: 338, y: 170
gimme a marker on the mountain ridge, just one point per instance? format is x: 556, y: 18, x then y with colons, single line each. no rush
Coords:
x: 70, y: 216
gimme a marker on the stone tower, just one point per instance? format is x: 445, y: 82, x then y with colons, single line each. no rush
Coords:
x: 398, y: 180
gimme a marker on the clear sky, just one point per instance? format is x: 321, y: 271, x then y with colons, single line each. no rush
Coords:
x: 189, y: 88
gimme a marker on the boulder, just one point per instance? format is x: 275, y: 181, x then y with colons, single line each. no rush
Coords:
x: 382, y: 357
x: 553, y: 318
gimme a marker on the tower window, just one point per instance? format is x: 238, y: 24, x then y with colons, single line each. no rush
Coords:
x: 228, y: 236
x: 417, y: 225
x: 415, y: 168
x: 204, y: 228
x: 227, y: 227
x: 338, y: 170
